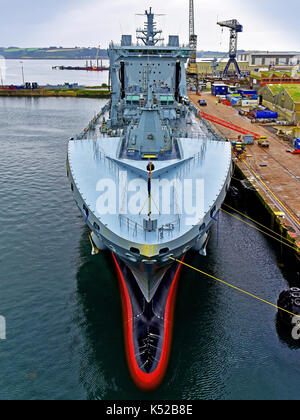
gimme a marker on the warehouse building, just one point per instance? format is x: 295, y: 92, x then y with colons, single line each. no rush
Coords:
x: 266, y: 59
x: 284, y: 99
x: 268, y: 95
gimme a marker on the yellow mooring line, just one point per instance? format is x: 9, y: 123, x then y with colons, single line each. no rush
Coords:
x: 257, y: 223
x: 260, y: 230
x: 233, y: 287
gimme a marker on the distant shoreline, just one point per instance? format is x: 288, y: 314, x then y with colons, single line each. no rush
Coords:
x: 86, y: 54
x: 48, y: 93
x: 53, y: 53
x: 52, y: 59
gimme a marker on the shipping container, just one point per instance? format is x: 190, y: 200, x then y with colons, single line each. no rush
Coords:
x: 235, y: 101
x: 265, y: 115
x: 219, y: 89
x: 249, y: 139
x: 247, y: 92
x: 249, y: 102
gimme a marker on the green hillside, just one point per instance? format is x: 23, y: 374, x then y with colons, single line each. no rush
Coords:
x: 52, y: 53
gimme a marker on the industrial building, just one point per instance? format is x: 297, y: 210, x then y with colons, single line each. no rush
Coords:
x: 285, y: 99
x: 260, y: 65
x: 258, y: 79
x: 206, y: 68
x: 266, y: 59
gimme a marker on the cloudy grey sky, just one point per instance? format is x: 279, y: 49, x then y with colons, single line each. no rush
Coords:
x: 268, y: 24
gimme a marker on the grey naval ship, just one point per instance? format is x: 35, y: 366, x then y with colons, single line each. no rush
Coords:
x: 149, y: 178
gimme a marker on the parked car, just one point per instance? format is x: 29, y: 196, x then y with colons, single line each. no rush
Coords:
x: 263, y: 142
x: 201, y: 102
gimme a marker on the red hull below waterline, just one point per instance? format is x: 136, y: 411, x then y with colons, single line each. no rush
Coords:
x: 152, y: 380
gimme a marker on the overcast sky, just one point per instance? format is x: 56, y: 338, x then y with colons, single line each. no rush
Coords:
x: 268, y: 24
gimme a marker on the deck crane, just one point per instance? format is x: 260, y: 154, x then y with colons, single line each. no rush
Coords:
x: 235, y: 28
x: 192, y: 64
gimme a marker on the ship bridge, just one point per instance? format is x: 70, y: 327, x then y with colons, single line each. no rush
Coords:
x: 148, y: 66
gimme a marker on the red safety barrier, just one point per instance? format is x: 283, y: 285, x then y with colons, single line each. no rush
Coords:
x: 227, y: 124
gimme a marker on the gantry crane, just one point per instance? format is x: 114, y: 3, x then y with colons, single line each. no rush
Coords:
x: 192, y: 64
x: 235, y: 28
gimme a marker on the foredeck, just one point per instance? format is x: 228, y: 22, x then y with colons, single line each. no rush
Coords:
x: 93, y: 161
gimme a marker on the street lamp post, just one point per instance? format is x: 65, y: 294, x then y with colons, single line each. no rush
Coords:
x: 1, y: 76
x: 21, y: 62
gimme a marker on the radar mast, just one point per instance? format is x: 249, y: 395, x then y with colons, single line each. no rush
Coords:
x: 149, y: 33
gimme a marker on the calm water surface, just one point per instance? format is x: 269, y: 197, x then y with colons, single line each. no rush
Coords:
x: 63, y: 310
x: 40, y: 71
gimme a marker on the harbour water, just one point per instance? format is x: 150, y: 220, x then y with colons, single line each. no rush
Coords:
x: 40, y: 71
x: 62, y: 306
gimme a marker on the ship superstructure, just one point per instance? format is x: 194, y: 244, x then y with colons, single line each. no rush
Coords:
x: 149, y: 180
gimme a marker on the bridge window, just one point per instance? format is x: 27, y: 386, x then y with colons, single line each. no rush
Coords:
x: 164, y: 251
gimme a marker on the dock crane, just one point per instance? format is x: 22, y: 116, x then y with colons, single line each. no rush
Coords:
x: 235, y: 28
x: 192, y: 64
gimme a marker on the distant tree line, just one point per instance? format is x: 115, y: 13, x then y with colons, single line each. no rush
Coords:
x: 72, y: 53
x: 53, y: 53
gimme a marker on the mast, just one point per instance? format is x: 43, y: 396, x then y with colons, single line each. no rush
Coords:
x: 149, y: 33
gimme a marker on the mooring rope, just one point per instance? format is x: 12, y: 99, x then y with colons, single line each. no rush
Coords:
x: 234, y: 287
